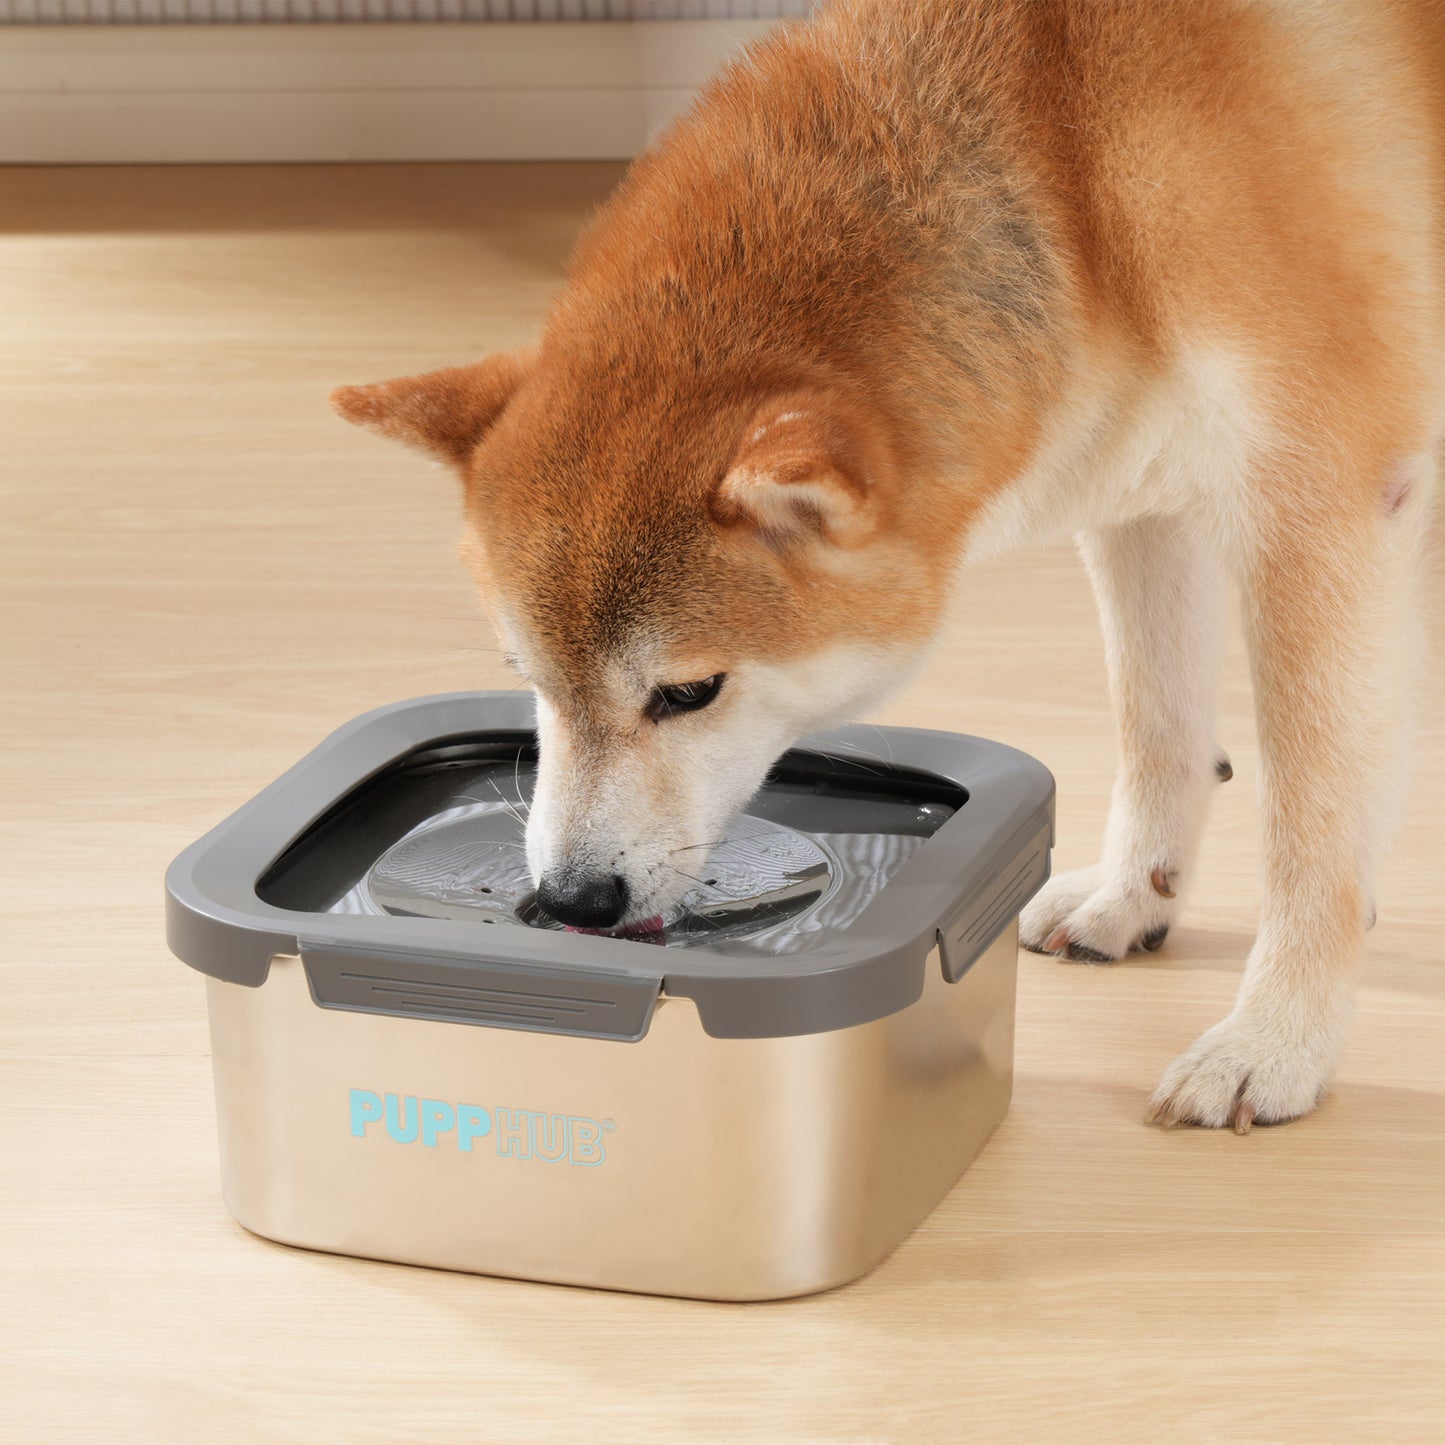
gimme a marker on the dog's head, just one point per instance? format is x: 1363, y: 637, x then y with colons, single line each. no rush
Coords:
x: 690, y: 581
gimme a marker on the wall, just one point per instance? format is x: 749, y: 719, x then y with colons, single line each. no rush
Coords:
x: 130, y: 12
x: 350, y: 92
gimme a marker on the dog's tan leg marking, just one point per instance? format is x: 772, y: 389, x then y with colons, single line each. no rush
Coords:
x: 1161, y: 601
x: 1329, y: 621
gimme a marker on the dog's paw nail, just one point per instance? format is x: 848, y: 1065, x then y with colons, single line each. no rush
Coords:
x: 1223, y: 768
x: 1163, y: 882
x: 1057, y: 941
x: 1153, y: 940
x: 1243, y: 1117
x: 1081, y: 953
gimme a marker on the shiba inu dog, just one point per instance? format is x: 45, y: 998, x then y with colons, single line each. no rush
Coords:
x: 918, y: 280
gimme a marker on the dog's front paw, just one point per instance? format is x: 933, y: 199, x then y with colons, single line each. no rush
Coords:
x: 1248, y: 1071
x: 1092, y: 919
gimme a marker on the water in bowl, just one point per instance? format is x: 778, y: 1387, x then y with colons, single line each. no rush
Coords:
x: 442, y: 836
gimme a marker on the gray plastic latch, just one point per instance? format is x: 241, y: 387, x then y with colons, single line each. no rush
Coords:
x: 966, y: 936
x: 592, y: 1005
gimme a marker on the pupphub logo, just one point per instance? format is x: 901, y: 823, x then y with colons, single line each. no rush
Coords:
x: 513, y: 1133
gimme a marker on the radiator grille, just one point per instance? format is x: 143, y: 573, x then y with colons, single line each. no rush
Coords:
x: 305, y: 12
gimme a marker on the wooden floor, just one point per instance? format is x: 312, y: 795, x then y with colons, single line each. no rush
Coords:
x: 203, y: 573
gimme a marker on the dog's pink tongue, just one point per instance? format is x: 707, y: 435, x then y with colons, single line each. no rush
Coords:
x: 649, y: 929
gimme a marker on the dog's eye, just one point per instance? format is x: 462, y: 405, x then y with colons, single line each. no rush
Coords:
x: 683, y: 697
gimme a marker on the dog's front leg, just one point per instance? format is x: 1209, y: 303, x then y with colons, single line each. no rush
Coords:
x: 1327, y: 613
x: 1161, y: 594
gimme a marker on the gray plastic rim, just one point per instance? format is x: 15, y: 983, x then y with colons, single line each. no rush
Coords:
x: 957, y: 894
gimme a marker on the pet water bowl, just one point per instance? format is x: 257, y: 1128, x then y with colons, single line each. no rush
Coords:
x: 411, y: 1065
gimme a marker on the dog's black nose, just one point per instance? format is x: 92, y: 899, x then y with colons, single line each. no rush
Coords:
x: 583, y: 900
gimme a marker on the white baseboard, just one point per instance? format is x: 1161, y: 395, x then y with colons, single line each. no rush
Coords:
x: 569, y: 91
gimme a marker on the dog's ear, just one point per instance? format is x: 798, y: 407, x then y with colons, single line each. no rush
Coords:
x: 804, y: 472
x: 445, y: 412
